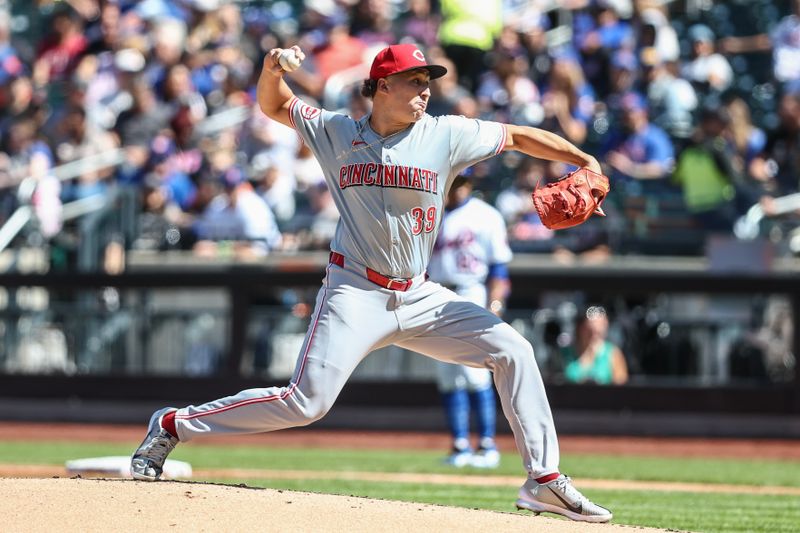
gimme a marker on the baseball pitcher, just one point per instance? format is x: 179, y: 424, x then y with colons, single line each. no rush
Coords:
x: 389, y: 173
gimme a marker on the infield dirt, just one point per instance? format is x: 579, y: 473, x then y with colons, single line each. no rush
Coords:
x: 62, y: 504
x: 103, y: 505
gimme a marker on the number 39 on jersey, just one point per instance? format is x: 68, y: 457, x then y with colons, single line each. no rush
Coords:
x: 423, y: 220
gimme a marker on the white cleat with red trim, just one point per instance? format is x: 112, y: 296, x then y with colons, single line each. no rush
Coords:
x: 147, y: 462
x: 560, y: 497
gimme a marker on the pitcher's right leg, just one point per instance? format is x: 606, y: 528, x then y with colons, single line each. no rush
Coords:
x: 330, y: 353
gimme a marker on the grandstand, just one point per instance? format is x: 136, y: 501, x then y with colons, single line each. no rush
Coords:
x: 122, y: 121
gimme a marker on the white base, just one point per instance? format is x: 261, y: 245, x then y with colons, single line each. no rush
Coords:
x: 121, y: 466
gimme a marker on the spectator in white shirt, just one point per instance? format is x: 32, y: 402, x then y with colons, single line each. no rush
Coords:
x: 707, y: 69
x: 240, y: 216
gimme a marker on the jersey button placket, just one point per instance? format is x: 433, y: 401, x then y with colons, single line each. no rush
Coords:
x: 395, y: 241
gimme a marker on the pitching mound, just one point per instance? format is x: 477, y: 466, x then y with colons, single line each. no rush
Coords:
x: 124, y: 505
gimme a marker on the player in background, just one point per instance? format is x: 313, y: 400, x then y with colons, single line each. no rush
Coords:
x: 470, y: 259
x: 389, y: 172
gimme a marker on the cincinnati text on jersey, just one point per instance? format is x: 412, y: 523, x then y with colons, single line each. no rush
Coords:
x: 380, y: 175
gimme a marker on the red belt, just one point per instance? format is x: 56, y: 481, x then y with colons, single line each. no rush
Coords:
x: 394, y: 284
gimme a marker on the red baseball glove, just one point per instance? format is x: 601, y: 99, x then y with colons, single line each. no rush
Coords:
x: 572, y: 199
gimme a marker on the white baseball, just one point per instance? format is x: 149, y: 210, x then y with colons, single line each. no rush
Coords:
x: 288, y: 60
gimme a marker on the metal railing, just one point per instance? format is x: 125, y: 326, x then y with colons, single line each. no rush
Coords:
x: 748, y: 226
x: 25, y: 214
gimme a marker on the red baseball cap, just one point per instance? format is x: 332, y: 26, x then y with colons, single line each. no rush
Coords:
x: 400, y: 58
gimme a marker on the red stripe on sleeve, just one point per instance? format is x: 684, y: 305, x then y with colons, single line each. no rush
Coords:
x: 503, y: 141
x: 292, y: 104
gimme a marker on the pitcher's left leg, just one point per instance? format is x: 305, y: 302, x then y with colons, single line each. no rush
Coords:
x: 464, y: 333
x: 455, y: 331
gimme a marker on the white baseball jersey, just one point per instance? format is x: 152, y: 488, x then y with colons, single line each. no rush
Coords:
x: 471, y: 239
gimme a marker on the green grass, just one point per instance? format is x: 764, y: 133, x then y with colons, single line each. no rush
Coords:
x: 52, y: 453
x: 697, y: 470
x: 702, y: 512
x: 734, y: 471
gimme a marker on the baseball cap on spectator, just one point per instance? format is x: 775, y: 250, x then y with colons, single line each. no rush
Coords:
x: 653, y: 17
x: 713, y: 110
x: 161, y: 148
x: 64, y: 9
x: 466, y: 176
x: 255, y: 17
x: 528, y: 19
x: 623, y: 8
x: 326, y: 8
x: 701, y: 33
x: 329, y: 15
x: 129, y: 60
x: 401, y: 58
x: 633, y: 101
x: 321, y: 186
x: 233, y: 177
x: 152, y: 9
x: 261, y: 162
x: 460, y: 181
x: 625, y: 60
x: 206, y: 5
x: 10, y: 66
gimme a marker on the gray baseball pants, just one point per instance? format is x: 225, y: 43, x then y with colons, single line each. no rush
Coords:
x: 353, y: 317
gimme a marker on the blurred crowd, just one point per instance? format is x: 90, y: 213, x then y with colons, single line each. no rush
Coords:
x: 694, y: 113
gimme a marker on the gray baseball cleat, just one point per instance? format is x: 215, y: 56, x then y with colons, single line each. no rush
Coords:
x: 147, y: 462
x: 560, y: 497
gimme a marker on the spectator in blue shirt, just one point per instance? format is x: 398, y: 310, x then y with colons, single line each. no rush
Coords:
x: 598, y: 34
x: 609, y: 31
x: 11, y: 65
x: 624, y: 78
x: 639, y: 151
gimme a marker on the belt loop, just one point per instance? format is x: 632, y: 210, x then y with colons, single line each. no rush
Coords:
x: 337, y: 259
